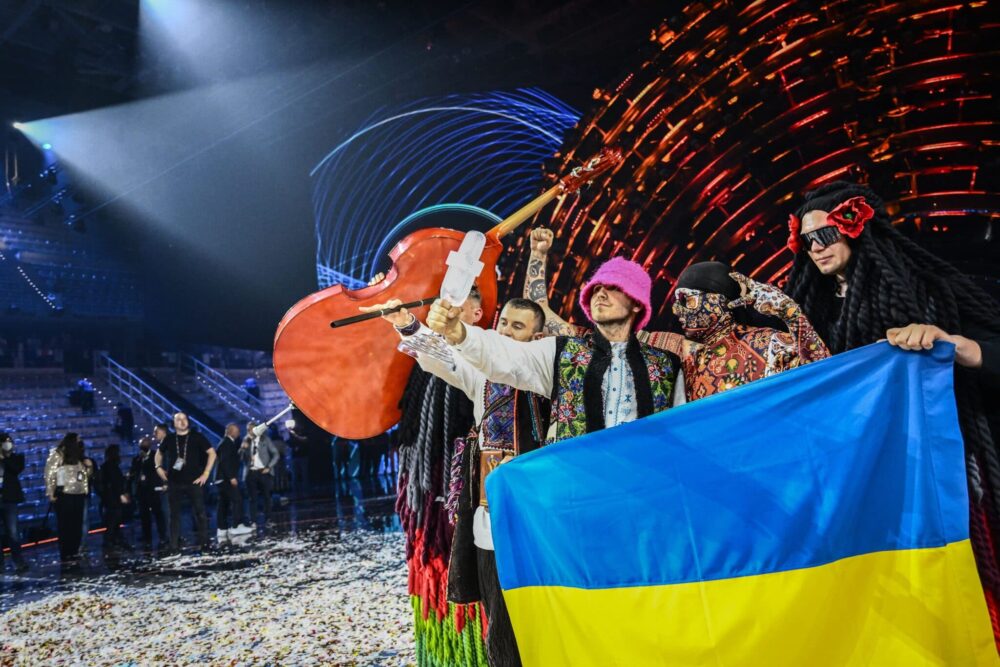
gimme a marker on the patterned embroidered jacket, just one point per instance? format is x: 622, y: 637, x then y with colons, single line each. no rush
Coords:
x: 739, y: 354
x: 513, y: 421
x: 580, y: 365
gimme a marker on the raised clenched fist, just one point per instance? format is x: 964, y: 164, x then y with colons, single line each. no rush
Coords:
x: 541, y: 240
x: 443, y: 319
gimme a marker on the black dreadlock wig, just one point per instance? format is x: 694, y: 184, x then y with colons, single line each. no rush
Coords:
x: 893, y: 282
x: 434, y: 414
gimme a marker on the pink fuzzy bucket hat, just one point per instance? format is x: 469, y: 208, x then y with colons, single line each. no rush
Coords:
x: 629, y: 277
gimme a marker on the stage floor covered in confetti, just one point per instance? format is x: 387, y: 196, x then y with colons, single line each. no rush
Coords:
x: 326, y: 586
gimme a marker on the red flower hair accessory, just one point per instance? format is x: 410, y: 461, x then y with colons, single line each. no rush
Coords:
x: 794, y: 226
x: 850, y: 216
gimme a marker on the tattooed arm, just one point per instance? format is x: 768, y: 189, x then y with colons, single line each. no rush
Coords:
x: 536, y: 284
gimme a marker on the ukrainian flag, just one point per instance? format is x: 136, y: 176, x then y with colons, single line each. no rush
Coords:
x: 819, y: 517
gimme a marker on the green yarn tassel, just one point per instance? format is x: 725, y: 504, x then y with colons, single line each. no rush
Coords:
x: 439, y: 644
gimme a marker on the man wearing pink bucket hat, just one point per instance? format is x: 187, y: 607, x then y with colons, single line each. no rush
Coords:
x: 597, y: 380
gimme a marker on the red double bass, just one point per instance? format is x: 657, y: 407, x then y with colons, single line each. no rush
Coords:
x: 349, y: 380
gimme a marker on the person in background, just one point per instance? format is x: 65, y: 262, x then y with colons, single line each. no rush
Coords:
x: 11, y: 495
x: 260, y: 456
x: 367, y: 455
x: 281, y: 476
x: 299, y: 444
x: 114, y: 494
x: 92, y: 487
x: 124, y: 423
x: 251, y: 387
x: 184, y: 461
x: 160, y: 433
x: 67, y: 483
x: 342, y: 452
x: 388, y: 463
x: 378, y: 447
x: 86, y: 389
x: 147, y: 490
x: 229, y: 519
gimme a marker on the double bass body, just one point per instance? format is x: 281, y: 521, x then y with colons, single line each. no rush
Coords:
x: 349, y: 380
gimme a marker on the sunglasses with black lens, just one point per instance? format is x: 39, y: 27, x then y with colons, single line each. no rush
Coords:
x: 824, y: 236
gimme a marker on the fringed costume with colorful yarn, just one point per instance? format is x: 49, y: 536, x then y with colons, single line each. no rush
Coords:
x: 434, y: 416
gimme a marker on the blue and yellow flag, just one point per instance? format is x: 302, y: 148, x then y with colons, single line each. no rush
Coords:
x: 819, y: 517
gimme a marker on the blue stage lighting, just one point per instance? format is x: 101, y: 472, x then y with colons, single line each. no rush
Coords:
x: 47, y: 146
x: 478, y: 154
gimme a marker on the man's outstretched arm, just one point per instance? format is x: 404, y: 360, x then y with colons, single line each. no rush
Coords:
x: 526, y: 366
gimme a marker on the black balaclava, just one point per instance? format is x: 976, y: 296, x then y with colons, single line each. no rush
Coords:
x: 710, y: 277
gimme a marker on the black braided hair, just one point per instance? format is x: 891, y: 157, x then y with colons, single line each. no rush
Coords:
x: 893, y: 282
x: 906, y: 282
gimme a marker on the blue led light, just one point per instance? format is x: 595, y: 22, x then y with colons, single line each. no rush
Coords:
x: 479, y: 154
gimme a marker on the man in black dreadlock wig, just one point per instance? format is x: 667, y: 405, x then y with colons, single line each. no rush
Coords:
x: 860, y: 280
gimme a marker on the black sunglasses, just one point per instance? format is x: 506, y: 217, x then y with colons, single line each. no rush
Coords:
x: 824, y: 236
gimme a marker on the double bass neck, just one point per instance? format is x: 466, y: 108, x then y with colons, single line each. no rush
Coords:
x: 608, y: 158
x: 517, y: 218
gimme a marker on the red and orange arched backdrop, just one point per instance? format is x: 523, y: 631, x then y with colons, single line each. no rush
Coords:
x: 740, y: 107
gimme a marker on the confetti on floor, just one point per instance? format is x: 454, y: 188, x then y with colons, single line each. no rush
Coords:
x: 312, y: 599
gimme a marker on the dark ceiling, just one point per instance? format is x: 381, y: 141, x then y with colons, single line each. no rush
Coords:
x: 59, y: 57
x: 62, y: 56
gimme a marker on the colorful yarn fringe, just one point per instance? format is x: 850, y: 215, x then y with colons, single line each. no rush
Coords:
x: 456, y: 639
x: 434, y: 415
x: 447, y: 635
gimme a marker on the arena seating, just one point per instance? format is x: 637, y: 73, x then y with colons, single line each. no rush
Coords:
x: 35, y: 408
x: 50, y: 269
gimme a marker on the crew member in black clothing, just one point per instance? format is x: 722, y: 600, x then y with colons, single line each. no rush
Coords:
x: 114, y: 497
x: 11, y: 495
x: 316, y: 443
x: 145, y: 484
x: 184, y: 461
x: 125, y: 423
x: 229, y: 520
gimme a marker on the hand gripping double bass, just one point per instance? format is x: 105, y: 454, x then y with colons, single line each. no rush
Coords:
x: 349, y: 379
